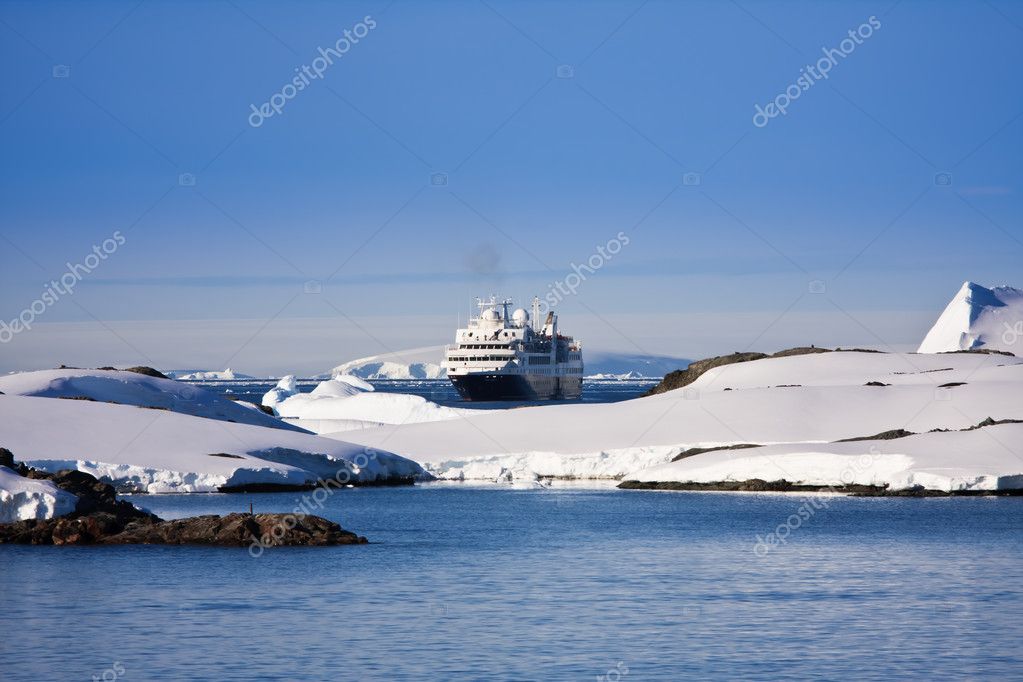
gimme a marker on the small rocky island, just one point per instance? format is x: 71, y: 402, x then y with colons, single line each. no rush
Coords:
x: 99, y: 518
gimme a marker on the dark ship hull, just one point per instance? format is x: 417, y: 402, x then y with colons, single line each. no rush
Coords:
x: 479, y: 387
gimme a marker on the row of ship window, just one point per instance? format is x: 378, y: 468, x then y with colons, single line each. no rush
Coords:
x: 533, y: 361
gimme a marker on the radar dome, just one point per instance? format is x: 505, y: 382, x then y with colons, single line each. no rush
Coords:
x: 490, y: 315
x: 520, y: 317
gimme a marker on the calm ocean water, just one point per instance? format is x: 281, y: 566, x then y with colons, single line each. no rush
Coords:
x: 538, y: 584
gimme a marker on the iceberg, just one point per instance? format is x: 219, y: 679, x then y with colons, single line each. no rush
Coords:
x: 346, y: 402
x: 207, y: 375
x: 979, y: 318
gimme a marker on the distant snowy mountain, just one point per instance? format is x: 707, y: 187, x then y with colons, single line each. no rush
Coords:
x: 604, y: 365
x: 978, y: 317
x: 616, y: 377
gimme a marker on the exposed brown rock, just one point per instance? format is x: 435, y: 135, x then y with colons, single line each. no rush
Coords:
x: 101, y: 519
x: 684, y: 377
x: 699, y: 451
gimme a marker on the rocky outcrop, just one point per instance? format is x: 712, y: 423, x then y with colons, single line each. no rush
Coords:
x: 750, y: 485
x: 684, y: 377
x: 699, y: 451
x: 141, y: 369
x: 101, y: 519
x: 238, y: 530
x: 783, y: 486
x: 147, y: 371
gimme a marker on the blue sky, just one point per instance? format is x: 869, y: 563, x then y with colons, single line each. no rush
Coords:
x: 539, y: 169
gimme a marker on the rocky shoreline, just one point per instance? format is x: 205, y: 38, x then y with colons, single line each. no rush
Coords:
x: 101, y: 519
x: 783, y: 486
x: 389, y: 482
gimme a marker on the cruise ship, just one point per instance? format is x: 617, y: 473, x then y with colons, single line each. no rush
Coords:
x: 512, y: 357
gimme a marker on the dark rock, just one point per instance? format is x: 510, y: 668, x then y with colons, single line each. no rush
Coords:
x: 148, y: 371
x: 262, y: 408
x: 952, y: 384
x: 902, y: 433
x: 238, y: 530
x: 141, y: 369
x: 983, y: 351
x: 801, y: 350
x: 884, y: 435
x: 699, y: 451
x: 100, y: 518
x: 988, y: 422
x: 750, y: 485
x: 876, y: 383
x: 684, y: 377
x: 6, y: 458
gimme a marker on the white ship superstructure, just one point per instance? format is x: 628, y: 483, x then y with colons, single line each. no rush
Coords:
x: 498, y: 356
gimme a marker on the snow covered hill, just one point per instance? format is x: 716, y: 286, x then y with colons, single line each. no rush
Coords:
x: 130, y: 388
x: 799, y: 400
x: 164, y: 451
x: 25, y: 498
x: 978, y: 317
x: 980, y: 459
